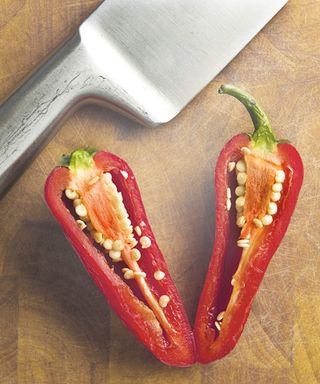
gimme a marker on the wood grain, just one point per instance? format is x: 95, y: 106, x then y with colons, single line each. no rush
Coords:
x: 55, y: 327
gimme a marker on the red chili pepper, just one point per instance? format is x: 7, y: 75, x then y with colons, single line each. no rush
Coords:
x: 99, y: 190
x: 257, y: 182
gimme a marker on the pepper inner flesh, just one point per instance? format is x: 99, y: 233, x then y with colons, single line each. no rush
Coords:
x: 255, y: 190
x: 258, y: 190
x: 100, y: 208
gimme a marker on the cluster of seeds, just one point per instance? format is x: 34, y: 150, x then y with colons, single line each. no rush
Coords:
x: 219, y: 320
x: 130, y: 274
x: 243, y: 243
x: 240, y: 191
x: 114, y: 247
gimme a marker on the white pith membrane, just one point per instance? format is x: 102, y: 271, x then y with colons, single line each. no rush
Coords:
x: 255, y: 203
x: 118, y: 241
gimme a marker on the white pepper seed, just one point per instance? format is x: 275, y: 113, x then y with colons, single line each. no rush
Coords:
x: 243, y: 245
x: 159, y: 275
x: 218, y: 326
x: 240, y: 201
x: 231, y: 166
x: 277, y: 187
x: 128, y: 275
x: 121, y: 211
x: 164, y: 300
x: 135, y: 254
x: 258, y: 223
x: 98, y: 237
x: 243, y: 241
x: 245, y: 150
x: 111, y: 189
x: 280, y: 176
x: 128, y: 230
x: 118, y: 245
x: 267, y: 220
x: 125, y: 223
x: 241, y: 166
x: 241, y: 220
x: 220, y: 315
x: 107, y: 244
x: 115, y: 255
x: 124, y: 174
x: 241, y: 178
x: 107, y: 177
x: 145, y: 242
x: 77, y: 202
x: 132, y: 241
x: 275, y: 196
x: 81, y: 210
x: 71, y: 194
x: 272, y: 208
x: 239, y: 209
x: 240, y: 190
x: 138, y: 230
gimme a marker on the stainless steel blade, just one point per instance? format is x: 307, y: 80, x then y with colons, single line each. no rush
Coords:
x: 163, y: 52
x: 145, y: 58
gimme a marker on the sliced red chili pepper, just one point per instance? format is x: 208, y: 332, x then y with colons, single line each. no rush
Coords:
x: 257, y: 182
x: 97, y: 202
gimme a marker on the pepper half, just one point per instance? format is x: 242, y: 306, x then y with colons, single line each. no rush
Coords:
x: 257, y: 182
x: 96, y: 200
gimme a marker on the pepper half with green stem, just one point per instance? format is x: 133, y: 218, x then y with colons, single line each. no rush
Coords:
x: 257, y: 182
x: 96, y: 200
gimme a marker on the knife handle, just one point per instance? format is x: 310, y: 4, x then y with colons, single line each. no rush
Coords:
x: 29, y: 117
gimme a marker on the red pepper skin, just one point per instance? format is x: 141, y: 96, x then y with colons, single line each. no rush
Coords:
x: 174, y: 348
x: 210, y: 347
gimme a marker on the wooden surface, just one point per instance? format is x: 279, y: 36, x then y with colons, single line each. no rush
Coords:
x: 55, y: 327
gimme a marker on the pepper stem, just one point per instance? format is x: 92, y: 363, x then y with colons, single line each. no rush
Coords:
x: 262, y: 137
x: 78, y: 159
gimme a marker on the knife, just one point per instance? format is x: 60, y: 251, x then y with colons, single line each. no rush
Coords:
x: 144, y: 58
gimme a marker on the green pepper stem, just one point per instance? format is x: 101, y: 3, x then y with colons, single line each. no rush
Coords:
x: 78, y: 159
x: 262, y: 137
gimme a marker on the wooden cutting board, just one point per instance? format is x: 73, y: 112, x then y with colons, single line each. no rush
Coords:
x: 55, y: 326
